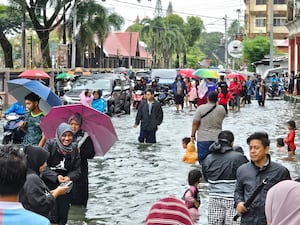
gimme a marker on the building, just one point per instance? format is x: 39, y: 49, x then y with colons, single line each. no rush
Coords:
x: 125, y: 49
x: 293, y: 25
x: 257, y: 19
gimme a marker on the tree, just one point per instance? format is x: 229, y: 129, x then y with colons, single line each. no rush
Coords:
x: 44, y: 20
x: 235, y: 30
x: 193, y: 29
x: 255, y: 49
x: 210, y: 43
x: 10, y: 22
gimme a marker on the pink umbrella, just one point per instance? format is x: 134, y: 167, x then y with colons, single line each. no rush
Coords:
x: 96, y: 124
x: 34, y: 74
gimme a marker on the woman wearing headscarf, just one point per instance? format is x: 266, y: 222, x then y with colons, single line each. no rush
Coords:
x: 63, y: 166
x: 86, y: 149
x: 35, y: 195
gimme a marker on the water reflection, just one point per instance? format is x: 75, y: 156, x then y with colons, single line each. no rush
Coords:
x: 131, y: 177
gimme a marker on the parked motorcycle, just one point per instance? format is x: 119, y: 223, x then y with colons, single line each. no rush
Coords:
x: 165, y: 96
x: 137, y: 99
x: 276, y: 90
x: 12, y: 133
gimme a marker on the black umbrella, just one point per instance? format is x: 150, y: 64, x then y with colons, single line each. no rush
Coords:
x: 252, y: 197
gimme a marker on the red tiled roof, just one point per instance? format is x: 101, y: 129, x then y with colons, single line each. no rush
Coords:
x: 119, y: 43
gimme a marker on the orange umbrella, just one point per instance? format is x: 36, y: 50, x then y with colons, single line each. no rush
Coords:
x: 34, y: 74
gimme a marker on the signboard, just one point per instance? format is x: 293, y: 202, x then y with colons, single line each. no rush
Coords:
x: 235, y: 49
x: 62, y: 55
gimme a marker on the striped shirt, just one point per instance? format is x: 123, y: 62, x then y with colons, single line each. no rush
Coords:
x: 169, y: 211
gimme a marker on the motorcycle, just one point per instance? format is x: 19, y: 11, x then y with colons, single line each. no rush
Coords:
x: 275, y: 90
x: 165, y: 96
x: 137, y: 99
x: 12, y: 133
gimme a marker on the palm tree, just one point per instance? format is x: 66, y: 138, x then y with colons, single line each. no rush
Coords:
x: 165, y: 40
x: 95, y: 22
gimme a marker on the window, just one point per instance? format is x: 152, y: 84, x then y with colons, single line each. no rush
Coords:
x: 260, y: 2
x: 279, y: 21
x: 280, y: 2
x: 260, y: 21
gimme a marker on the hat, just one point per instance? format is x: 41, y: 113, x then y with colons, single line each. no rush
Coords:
x: 169, y: 211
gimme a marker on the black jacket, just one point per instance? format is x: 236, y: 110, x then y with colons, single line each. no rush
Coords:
x: 249, y: 176
x: 220, y: 166
x: 35, y: 195
x: 222, y: 161
x: 149, y: 122
x: 71, y: 165
x: 80, y: 191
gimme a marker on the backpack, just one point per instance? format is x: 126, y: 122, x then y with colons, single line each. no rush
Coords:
x: 195, y: 194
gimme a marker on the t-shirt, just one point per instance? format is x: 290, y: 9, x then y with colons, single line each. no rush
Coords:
x: 33, y: 131
x: 13, y: 213
x: 211, y: 125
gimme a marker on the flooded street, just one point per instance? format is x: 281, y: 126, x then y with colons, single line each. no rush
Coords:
x: 131, y: 177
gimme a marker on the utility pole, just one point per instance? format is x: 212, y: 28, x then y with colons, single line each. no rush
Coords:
x: 23, y: 35
x: 226, y: 44
x: 271, y: 32
x: 130, y: 46
x: 73, y: 62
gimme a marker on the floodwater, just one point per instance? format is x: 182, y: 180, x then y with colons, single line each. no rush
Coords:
x: 132, y: 176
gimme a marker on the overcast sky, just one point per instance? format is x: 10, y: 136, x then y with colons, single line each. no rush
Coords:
x: 211, y: 12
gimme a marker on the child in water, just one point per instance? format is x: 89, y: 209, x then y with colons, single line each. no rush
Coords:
x: 290, y: 139
x: 190, y: 155
x: 191, y: 196
x: 280, y: 145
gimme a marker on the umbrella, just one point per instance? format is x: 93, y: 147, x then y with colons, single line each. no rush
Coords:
x: 95, y: 123
x: 120, y: 70
x: 187, y: 73
x: 206, y: 73
x: 34, y: 74
x: 239, y: 76
x: 79, y: 71
x: 64, y: 76
x: 19, y: 88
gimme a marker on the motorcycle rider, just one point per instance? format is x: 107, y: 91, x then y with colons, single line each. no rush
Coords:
x: 139, y: 85
x: 17, y: 107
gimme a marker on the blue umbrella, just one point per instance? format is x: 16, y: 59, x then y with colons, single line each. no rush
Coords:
x: 19, y: 88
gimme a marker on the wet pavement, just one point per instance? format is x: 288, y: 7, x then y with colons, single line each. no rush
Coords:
x: 132, y: 176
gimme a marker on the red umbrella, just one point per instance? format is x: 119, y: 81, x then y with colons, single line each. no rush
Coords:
x: 239, y: 76
x: 187, y: 73
x: 34, y: 74
x: 98, y: 125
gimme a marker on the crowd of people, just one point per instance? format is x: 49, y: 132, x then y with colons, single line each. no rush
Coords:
x: 238, y: 185
x: 49, y: 176
x: 57, y: 169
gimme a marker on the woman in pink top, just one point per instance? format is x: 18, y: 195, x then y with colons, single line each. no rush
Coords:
x: 86, y: 98
x: 192, y: 95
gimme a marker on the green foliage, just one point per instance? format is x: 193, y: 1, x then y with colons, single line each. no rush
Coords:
x: 194, y: 55
x: 255, y: 49
x: 210, y: 43
x: 193, y: 29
